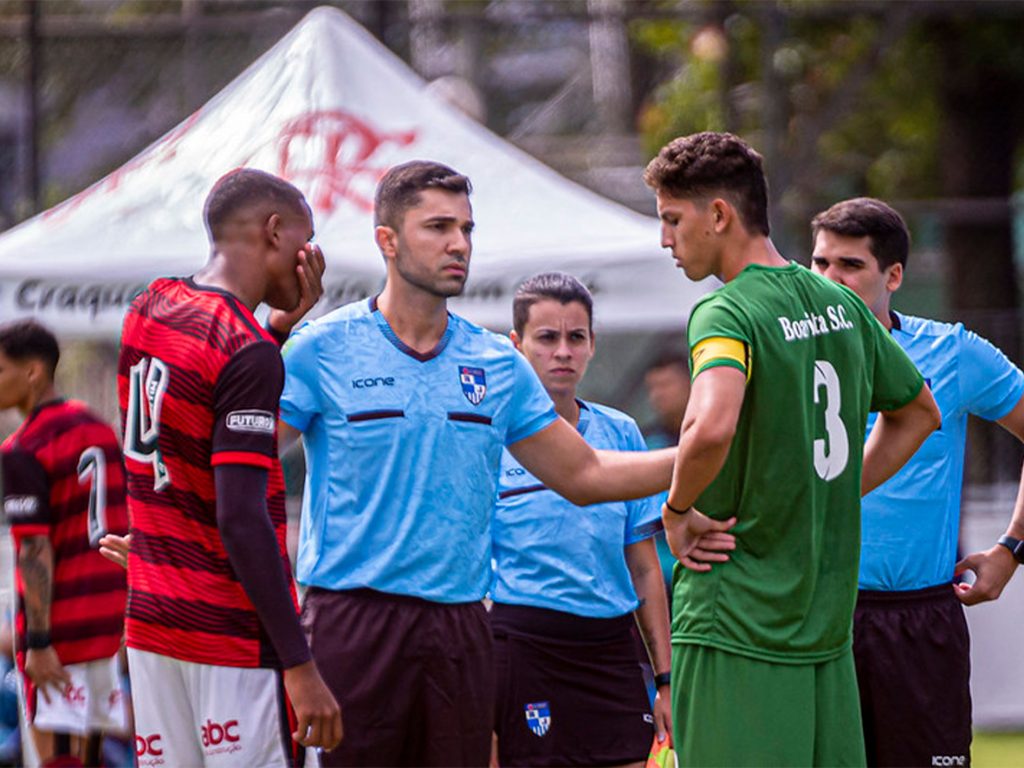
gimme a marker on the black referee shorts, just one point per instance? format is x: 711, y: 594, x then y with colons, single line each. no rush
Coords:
x: 414, y: 678
x: 912, y: 653
x: 570, y: 690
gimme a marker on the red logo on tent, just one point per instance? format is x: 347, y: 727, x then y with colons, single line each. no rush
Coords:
x: 333, y: 154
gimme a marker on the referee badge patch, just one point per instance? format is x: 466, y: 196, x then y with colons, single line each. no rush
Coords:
x: 538, y: 717
x: 474, y: 383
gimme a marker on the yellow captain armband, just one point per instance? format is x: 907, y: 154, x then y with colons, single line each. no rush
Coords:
x: 719, y: 350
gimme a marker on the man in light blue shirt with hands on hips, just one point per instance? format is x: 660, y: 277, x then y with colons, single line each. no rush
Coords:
x: 911, y: 645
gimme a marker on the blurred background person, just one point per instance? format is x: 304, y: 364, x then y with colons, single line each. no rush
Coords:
x: 667, y: 381
x: 566, y: 585
x: 63, y: 489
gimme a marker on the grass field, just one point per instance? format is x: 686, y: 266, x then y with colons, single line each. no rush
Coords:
x: 998, y: 750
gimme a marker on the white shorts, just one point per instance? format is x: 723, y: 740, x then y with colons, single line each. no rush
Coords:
x: 204, y: 715
x: 92, y: 701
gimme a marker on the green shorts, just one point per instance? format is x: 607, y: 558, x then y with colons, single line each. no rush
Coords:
x: 730, y: 710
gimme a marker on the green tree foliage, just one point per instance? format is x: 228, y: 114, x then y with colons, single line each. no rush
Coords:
x: 919, y: 103
x: 885, y: 146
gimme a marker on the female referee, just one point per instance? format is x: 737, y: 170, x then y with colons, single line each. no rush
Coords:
x: 567, y: 582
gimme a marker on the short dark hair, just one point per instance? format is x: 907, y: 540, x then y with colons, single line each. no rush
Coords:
x: 243, y: 187
x: 669, y: 358
x: 887, y: 233
x: 399, y: 189
x: 704, y: 164
x: 23, y: 340
x: 549, y: 285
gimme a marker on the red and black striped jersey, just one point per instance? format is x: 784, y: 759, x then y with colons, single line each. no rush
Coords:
x: 63, y: 479
x: 199, y: 384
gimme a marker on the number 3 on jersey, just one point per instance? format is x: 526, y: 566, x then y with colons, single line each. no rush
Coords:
x: 147, y: 385
x: 831, y: 454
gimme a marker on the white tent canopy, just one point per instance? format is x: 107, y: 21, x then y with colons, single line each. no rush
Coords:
x: 330, y: 109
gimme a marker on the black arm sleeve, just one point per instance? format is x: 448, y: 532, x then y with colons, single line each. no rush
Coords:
x: 26, y: 489
x: 246, y: 400
x: 250, y: 544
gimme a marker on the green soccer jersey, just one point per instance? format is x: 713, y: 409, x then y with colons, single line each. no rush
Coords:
x: 817, y: 362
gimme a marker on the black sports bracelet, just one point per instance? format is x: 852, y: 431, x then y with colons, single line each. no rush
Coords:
x: 662, y: 679
x: 677, y: 511
x: 37, y: 640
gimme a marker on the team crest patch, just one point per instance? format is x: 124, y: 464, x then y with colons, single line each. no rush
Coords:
x: 538, y: 717
x: 474, y: 383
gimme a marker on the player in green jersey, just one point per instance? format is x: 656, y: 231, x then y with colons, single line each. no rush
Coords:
x: 786, y: 367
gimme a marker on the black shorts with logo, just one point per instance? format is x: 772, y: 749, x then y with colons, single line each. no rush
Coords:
x: 414, y: 678
x: 569, y: 689
x: 913, y: 657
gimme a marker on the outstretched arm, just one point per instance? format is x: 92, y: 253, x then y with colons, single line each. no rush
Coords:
x: 994, y: 567
x: 564, y: 462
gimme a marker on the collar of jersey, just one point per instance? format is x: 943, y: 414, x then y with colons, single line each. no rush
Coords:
x: 400, y: 345
x: 792, y: 266
x: 39, y: 409
x: 190, y: 281
x: 897, y: 323
x: 584, y: 420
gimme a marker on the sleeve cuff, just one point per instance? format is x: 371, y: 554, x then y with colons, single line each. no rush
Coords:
x: 645, y: 531
x: 532, y: 427
x: 20, y: 532
x: 241, y: 457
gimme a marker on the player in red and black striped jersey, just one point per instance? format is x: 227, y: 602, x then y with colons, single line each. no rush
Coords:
x: 64, y: 489
x: 211, y: 603
x: 199, y: 372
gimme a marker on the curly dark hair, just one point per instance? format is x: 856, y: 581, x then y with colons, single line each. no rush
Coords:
x: 708, y: 164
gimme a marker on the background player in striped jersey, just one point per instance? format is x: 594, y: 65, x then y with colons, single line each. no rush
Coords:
x: 64, y: 488
x: 404, y: 409
x: 566, y: 585
x: 212, y: 618
x: 786, y: 367
x: 910, y: 634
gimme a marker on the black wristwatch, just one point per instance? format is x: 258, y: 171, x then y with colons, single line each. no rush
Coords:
x: 1016, y: 547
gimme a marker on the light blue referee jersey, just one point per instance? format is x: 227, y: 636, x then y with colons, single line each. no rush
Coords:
x: 549, y: 553
x: 402, y: 451
x: 910, y: 524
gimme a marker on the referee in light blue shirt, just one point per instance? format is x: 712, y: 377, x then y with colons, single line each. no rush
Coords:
x: 405, y: 409
x: 910, y: 635
x: 567, y: 581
